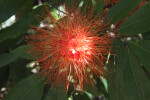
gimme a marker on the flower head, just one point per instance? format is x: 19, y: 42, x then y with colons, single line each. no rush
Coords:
x: 68, y: 47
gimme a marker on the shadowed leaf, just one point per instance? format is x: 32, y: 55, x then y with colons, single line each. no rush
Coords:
x: 29, y: 88
x: 22, y: 52
x: 128, y: 80
x: 10, y: 7
x: 21, y: 26
x: 56, y: 95
x: 122, y: 9
x: 7, y: 58
x: 142, y: 51
x: 137, y: 23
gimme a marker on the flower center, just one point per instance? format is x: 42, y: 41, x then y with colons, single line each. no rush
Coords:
x: 79, y: 48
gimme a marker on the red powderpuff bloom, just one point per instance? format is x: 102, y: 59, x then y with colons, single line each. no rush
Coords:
x: 68, y: 47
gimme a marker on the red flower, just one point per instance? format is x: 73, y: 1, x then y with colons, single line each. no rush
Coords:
x: 68, y: 47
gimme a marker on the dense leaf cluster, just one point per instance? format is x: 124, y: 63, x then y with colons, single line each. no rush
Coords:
x: 129, y: 79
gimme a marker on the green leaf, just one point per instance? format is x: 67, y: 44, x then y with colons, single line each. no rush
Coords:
x: 54, y: 94
x: 137, y: 23
x: 128, y: 80
x: 53, y: 1
x: 10, y: 7
x: 115, y: 81
x: 122, y: 9
x: 22, y: 52
x: 70, y: 3
x: 139, y: 79
x: 9, y: 44
x: 18, y: 69
x: 7, y: 58
x: 4, y: 75
x: 146, y: 35
x: 22, y: 25
x: 29, y: 88
x: 142, y: 51
x: 87, y: 5
x: 99, y: 5
x: 95, y: 91
x: 81, y: 97
x: 102, y: 87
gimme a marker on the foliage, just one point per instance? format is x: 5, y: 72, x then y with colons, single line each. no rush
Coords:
x: 128, y: 70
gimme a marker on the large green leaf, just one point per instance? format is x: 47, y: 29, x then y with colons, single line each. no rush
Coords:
x: 4, y: 75
x: 142, y: 51
x: 22, y: 25
x: 10, y: 7
x: 99, y: 5
x: 22, y: 52
x: 139, y: 22
x: 18, y: 69
x: 146, y: 35
x: 115, y: 81
x: 128, y: 80
x: 139, y: 79
x: 54, y: 94
x: 28, y: 89
x: 122, y: 9
x: 7, y: 58
x: 8, y: 44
